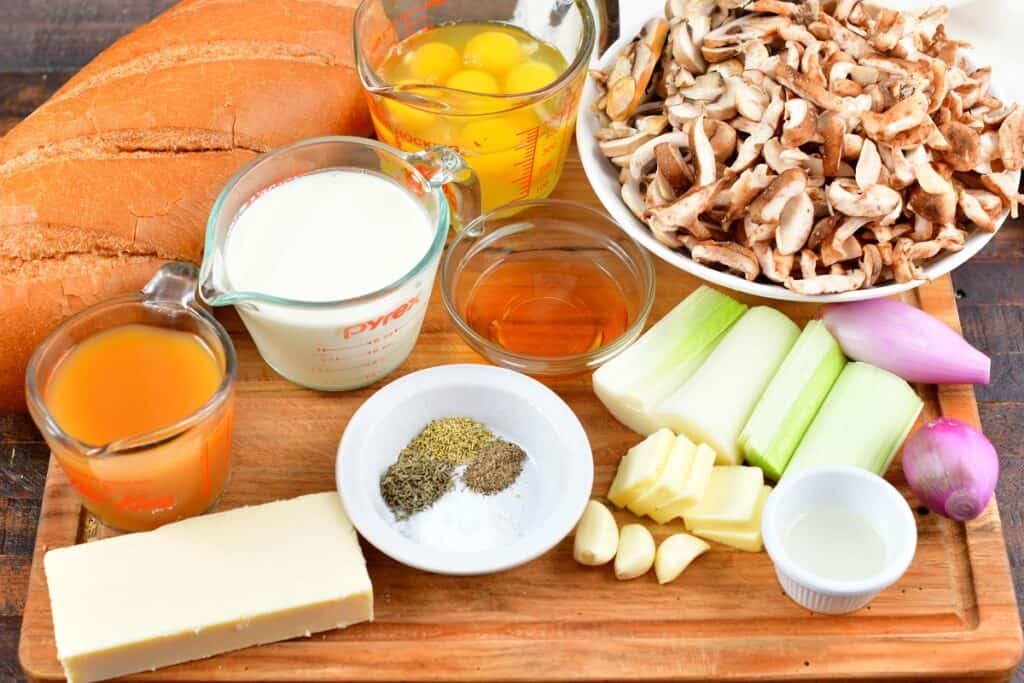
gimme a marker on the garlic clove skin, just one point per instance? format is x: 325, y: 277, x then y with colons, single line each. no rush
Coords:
x: 597, y: 536
x: 675, y: 554
x: 635, y: 555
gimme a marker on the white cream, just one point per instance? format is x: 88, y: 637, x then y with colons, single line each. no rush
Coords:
x: 330, y: 236
x: 326, y: 236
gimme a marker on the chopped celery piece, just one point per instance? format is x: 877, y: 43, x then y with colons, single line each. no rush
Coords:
x: 862, y: 422
x: 731, y: 496
x: 696, y: 485
x: 634, y: 382
x: 742, y: 535
x: 792, y: 399
x: 714, y: 404
x: 672, y: 481
x: 640, y: 468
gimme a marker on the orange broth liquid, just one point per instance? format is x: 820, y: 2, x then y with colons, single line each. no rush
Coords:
x: 128, y: 381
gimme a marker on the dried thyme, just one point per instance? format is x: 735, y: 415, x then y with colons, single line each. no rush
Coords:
x: 495, y: 468
x: 455, y: 440
x: 414, y: 482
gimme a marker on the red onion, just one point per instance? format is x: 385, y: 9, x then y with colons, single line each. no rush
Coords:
x: 951, y: 467
x: 906, y: 341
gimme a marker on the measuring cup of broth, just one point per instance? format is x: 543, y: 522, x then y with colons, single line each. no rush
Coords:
x: 497, y: 81
x: 328, y: 249
x: 135, y: 398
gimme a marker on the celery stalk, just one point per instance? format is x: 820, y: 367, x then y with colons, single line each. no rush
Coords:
x: 715, y: 403
x: 634, y: 382
x: 862, y: 422
x: 792, y: 399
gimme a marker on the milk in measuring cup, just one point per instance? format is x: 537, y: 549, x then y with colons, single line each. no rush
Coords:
x: 321, y: 238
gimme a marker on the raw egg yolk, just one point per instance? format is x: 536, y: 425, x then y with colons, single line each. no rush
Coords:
x: 488, y: 135
x: 493, y: 51
x: 529, y: 76
x: 434, y: 62
x: 472, y: 80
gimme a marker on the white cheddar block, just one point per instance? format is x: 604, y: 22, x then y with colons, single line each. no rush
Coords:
x: 206, y: 585
x: 640, y: 468
x: 731, y: 496
x: 696, y: 483
x: 672, y: 481
x: 741, y: 535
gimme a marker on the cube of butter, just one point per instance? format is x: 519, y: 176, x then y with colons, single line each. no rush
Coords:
x: 640, y: 468
x: 206, y: 585
x: 742, y: 535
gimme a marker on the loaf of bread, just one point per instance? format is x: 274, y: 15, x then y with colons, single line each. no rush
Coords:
x: 115, y: 174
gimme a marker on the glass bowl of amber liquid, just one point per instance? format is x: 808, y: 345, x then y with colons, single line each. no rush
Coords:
x: 547, y: 287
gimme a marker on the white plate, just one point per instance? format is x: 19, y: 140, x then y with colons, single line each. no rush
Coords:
x: 516, y: 407
x: 603, y: 178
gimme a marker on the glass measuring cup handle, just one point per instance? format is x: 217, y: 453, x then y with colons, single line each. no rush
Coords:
x: 174, y: 283
x: 445, y: 169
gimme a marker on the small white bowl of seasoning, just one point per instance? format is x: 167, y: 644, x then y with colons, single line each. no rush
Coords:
x: 838, y: 536
x: 463, y: 532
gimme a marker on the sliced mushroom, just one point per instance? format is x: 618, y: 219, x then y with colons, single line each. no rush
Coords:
x: 723, y: 138
x: 795, y: 223
x: 1005, y: 185
x: 643, y: 157
x: 800, y: 125
x: 827, y: 284
x: 673, y: 167
x: 808, y: 263
x: 769, y: 205
x: 934, y: 208
x: 832, y: 129
x: 685, y: 212
x: 734, y: 257
x: 751, y: 101
x: 981, y: 208
x: 877, y: 201
x: 1011, y: 140
x: 745, y: 190
x: 685, y: 50
x: 705, y: 164
x: 807, y: 88
x: 774, y: 265
x: 903, y: 116
x: 626, y: 91
x: 634, y: 198
x: 750, y: 148
x: 871, y: 264
x: 964, y: 151
x: 835, y: 251
x: 618, y: 147
x: 869, y: 166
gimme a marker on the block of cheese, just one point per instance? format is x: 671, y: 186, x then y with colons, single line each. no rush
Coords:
x: 206, y: 585
x: 672, y: 481
x: 742, y: 535
x: 640, y: 468
x: 731, y: 496
x: 696, y: 483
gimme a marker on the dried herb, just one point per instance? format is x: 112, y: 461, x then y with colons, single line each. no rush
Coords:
x: 495, y: 468
x: 453, y: 439
x: 414, y: 482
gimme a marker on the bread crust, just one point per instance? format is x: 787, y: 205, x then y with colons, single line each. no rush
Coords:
x: 116, y: 174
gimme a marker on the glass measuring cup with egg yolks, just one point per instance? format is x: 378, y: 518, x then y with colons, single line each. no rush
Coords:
x: 498, y: 81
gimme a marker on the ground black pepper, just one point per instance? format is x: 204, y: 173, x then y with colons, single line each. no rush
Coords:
x: 495, y: 468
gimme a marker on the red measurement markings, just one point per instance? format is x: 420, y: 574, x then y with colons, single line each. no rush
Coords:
x: 416, y: 18
x: 528, y: 147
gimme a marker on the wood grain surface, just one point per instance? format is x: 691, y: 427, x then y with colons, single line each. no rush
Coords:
x: 43, y: 41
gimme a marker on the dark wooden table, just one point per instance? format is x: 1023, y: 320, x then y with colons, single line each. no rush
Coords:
x: 43, y: 42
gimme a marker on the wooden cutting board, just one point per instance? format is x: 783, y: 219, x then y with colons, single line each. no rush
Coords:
x: 953, y: 614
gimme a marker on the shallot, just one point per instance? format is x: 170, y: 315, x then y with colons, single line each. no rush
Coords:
x: 952, y: 468
x: 905, y: 341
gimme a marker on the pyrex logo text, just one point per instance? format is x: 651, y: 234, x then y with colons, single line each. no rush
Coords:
x: 359, y: 328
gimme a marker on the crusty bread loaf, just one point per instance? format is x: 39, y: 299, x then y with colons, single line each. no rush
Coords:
x: 115, y: 175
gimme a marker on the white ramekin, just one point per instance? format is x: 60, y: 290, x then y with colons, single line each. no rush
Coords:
x: 859, y: 491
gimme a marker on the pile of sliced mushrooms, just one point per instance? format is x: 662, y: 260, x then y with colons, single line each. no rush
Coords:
x: 825, y: 145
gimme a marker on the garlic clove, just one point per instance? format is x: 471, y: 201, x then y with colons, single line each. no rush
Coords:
x: 597, y: 536
x: 675, y: 554
x: 635, y: 554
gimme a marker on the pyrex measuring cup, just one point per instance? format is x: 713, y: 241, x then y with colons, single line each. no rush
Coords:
x: 146, y: 480
x: 517, y: 144
x: 347, y: 343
